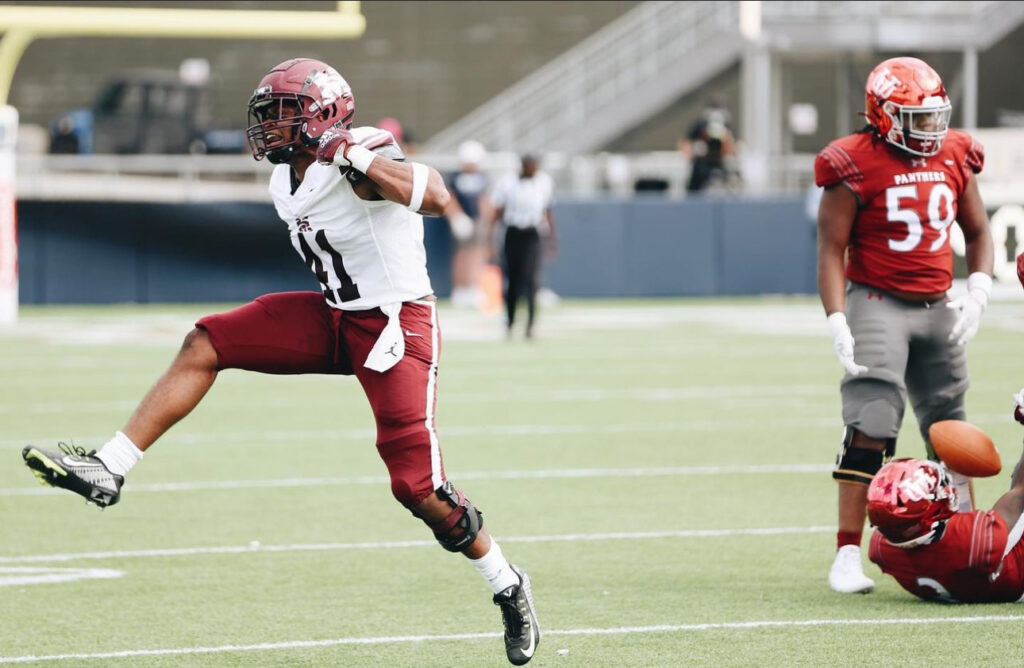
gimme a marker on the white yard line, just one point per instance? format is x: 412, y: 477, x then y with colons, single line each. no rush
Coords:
x: 542, y: 474
x: 825, y: 421
x: 19, y: 576
x: 622, y: 630
x: 456, y: 431
x: 256, y: 548
x: 533, y: 395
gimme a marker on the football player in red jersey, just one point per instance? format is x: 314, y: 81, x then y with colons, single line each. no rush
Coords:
x: 885, y: 265
x: 937, y: 553
x: 352, y: 204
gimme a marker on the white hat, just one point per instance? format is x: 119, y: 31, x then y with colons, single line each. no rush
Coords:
x: 471, y: 152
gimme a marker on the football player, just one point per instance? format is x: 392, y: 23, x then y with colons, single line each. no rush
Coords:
x: 936, y: 553
x: 352, y: 204
x: 891, y: 192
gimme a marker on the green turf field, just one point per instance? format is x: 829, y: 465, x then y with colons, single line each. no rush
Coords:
x: 659, y: 467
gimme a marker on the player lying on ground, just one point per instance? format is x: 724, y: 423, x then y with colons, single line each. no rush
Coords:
x: 936, y: 553
x: 352, y: 205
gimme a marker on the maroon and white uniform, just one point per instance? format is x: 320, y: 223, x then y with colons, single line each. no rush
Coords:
x: 900, y: 237
x: 369, y: 319
x: 976, y: 560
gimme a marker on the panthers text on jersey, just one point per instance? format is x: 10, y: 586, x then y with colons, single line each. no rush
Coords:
x: 966, y: 564
x: 365, y: 254
x: 900, y: 237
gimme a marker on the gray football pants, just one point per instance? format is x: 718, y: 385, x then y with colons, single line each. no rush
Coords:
x: 906, y: 348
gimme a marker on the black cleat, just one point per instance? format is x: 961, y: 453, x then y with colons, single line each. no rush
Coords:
x: 75, y: 470
x: 522, y: 632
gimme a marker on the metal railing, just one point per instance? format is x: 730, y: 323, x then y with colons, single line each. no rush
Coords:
x: 643, y: 60
x: 188, y: 178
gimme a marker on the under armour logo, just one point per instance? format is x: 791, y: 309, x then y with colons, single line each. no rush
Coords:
x: 391, y: 350
x: 302, y: 224
x: 875, y: 295
x: 918, y: 162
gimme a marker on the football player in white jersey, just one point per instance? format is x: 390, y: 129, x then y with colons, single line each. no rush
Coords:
x: 352, y: 204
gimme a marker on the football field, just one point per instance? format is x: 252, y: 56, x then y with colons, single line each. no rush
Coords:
x: 659, y: 467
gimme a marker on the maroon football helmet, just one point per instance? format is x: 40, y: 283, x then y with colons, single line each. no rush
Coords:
x: 907, y: 498
x: 293, y: 105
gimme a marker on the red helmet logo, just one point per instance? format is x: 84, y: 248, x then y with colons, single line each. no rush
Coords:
x: 907, y: 498
x: 907, y: 104
x: 294, y: 104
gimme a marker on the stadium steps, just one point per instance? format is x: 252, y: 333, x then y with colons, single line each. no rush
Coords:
x: 658, y: 52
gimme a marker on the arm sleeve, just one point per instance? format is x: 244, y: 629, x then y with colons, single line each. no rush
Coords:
x: 974, y: 159
x: 834, y: 166
x: 988, y: 541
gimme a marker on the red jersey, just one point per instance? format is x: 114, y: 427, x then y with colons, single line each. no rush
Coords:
x: 900, y: 237
x: 966, y: 564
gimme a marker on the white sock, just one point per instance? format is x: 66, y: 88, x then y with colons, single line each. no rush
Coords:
x: 119, y: 455
x: 495, y: 569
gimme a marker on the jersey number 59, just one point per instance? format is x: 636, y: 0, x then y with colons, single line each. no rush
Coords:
x: 940, y: 214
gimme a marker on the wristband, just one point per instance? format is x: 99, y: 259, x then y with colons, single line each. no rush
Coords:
x: 360, y: 157
x: 420, y: 176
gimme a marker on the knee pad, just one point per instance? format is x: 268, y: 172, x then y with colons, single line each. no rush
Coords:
x: 459, y: 529
x: 877, y: 419
x: 859, y: 465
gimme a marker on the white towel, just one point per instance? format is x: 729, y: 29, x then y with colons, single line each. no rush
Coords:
x: 390, y: 346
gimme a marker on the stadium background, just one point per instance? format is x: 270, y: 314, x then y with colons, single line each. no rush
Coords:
x: 86, y: 224
x: 661, y: 466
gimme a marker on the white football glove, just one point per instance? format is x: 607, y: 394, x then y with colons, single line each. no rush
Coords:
x: 842, y: 342
x: 969, y: 307
x: 1018, y: 409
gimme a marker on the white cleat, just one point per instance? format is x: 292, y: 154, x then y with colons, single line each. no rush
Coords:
x: 847, y: 574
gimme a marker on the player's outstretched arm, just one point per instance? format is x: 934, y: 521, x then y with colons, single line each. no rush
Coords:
x: 1010, y: 506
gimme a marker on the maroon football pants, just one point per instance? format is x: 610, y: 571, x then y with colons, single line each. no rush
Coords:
x: 296, y: 332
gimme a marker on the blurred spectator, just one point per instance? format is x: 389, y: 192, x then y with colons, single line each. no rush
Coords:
x: 64, y: 141
x: 401, y: 134
x: 711, y: 149
x: 522, y: 203
x: 469, y: 187
x: 394, y: 126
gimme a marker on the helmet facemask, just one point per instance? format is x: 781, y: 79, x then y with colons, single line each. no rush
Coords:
x: 277, y: 125
x: 919, y: 130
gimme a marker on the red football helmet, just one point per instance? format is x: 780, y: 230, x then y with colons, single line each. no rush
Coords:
x: 294, y: 104
x: 908, y: 106
x: 907, y: 498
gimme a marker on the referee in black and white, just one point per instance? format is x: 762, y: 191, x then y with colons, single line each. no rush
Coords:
x: 522, y: 203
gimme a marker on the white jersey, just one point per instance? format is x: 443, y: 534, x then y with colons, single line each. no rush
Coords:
x: 524, y: 200
x: 365, y: 254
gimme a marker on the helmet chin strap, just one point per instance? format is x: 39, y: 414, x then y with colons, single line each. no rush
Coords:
x: 280, y: 155
x: 935, y: 533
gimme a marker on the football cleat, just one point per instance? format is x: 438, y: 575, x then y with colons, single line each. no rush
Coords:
x: 847, y: 574
x: 522, y: 632
x: 75, y: 470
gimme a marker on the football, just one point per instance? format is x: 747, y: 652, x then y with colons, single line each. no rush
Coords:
x: 965, y: 448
